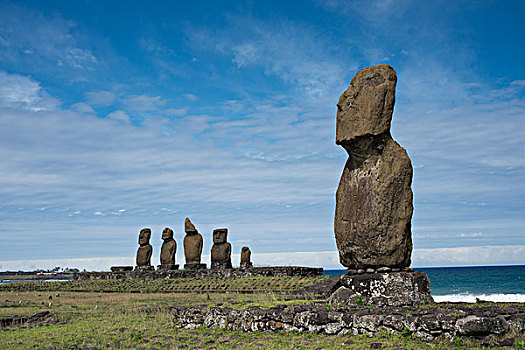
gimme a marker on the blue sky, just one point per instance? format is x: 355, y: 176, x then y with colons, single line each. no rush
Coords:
x: 120, y: 115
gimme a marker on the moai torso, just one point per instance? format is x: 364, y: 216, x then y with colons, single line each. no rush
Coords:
x: 192, y: 244
x: 221, y: 250
x: 145, y: 249
x: 169, y: 248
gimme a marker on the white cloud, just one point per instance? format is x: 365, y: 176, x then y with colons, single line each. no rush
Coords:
x: 175, y: 111
x: 143, y: 103
x: 244, y: 54
x: 79, y: 58
x: 101, y: 98
x: 191, y: 97
x: 47, y: 45
x: 470, y: 256
x: 21, y: 92
x: 83, y: 108
x: 459, y: 256
x: 312, y: 259
x: 297, y: 54
x: 471, y: 234
x: 120, y: 116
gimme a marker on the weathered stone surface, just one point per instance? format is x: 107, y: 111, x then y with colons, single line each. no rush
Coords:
x: 188, y: 226
x: 480, y: 326
x: 366, y: 107
x: 192, y: 244
x: 195, y: 266
x: 426, y: 323
x: 374, y: 198
x: 384, y: 269
x: 380, y: 289
x: 221, y: 250
x: 39, y: 319
x: 246, y: 256
x: 145, y: 249
x: 143, y: 269
x: 169, y: 248
x: 167, y: 267
x: 121, y: 268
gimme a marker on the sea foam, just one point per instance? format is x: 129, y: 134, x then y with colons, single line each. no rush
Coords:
x: 471, y: 298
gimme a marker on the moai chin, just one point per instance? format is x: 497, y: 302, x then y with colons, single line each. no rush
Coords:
x: 192, y: 247
x: 167, y: 251
x: 221, y: 250
x: 246, y: 255
x: 143, y: 259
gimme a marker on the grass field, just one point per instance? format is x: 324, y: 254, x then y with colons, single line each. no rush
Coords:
x: 196, y: 285
x: 123, y: 320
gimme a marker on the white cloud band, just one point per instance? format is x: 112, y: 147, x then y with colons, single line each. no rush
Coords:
x: 459, y: 256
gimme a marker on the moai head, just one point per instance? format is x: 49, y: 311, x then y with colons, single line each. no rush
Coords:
x: 167, y: 234
x: 220, y: 235
x: 366, y: 107
x: 144, y: 236
x: 189, y: 228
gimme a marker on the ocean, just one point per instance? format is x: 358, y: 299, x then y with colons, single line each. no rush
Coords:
x: 465, y: 284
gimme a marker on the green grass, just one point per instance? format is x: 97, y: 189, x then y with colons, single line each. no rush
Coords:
x: 203, y: 285
x: 93, y: 320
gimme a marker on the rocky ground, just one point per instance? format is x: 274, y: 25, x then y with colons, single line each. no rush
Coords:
x: 123, y: 320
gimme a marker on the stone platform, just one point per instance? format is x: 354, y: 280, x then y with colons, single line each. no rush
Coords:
x: 383, y: 289
x: 277, y: 271
x: 487, y: 322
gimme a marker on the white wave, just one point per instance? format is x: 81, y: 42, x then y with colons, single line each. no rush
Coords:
x: 471, y: 298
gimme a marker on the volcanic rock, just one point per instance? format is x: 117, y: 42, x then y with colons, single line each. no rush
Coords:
x: 221, y: 250
x: 167, y: 251
x: 384, y: 289
x: 374, y: 197
x: 192, y: 246
x: 246, y: 255
x: 145, y: 249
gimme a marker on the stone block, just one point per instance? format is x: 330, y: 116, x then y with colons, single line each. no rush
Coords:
x: 121, y: 268
x: 194, y: 266
x: 383, y: 289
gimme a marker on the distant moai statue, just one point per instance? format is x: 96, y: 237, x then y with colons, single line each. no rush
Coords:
x: 221, y: 250
x: 167, y: 251
x: 192, y: 247
x: 246, y: 255
x: 143, y: 259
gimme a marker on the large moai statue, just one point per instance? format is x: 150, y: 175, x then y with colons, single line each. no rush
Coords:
x: 374, y: 198
x: 143, y: 259
x: 192, y: 247
x: 246, y: 256
x: 167, y: 251
x: 221, y: 250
